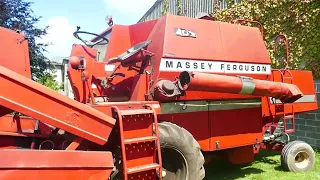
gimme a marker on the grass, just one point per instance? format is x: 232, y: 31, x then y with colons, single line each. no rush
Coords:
x: 265, y: 167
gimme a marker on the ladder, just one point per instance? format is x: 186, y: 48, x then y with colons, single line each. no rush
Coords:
x: 140, y: 145
x: 282, y: 108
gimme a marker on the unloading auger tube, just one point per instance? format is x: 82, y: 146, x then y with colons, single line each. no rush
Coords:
x: 197, y: 81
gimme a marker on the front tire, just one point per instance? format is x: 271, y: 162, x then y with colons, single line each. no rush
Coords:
x: 297, y: 156
x: 182, y: 158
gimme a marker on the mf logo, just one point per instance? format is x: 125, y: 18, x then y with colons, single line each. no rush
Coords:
x: 185, y: 33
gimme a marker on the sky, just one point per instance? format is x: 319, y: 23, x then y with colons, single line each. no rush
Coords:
x: 63, y: 16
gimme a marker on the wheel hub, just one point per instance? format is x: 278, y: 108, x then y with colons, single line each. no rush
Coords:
x: 174, y: 164
x: 302, y: 159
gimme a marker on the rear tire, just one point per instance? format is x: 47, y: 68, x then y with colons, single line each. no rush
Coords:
x: 182, y: 158
x: 297, y: 156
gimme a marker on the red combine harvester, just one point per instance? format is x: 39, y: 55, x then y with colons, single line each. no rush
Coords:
x: 151, y: 101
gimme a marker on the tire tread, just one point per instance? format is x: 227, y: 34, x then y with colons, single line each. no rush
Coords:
x: 170, y: 131
x: 286, y: 156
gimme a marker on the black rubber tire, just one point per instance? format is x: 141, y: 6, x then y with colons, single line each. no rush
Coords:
x: 178, y: 138
x: 284, y: 152
x: 290, y: 153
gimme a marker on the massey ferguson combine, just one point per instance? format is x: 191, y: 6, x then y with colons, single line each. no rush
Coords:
x: 151, y: 101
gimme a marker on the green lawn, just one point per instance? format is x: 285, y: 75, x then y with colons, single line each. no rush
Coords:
x: 266, y: 166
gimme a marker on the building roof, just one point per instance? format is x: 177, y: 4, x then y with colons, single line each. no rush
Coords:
x: 189, y: 8
x: 58, y: 60
x: 150, y: 10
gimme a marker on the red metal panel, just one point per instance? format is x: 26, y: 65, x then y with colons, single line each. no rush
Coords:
x: 14, y: 52
x: 20, y: 93
x: 140, y: 154
x: 137, y: 126
x: 62, y: 165
x: 215, y: 41
x: 140, y: 32
x: 304, y: 80
x: 243, y: 44
x: 17, y: 124
x: 55, y: 159
x: 22, y: 124
x: 54, y: 174
x: 207, y: 45
x: 240, y: 155
x: 234, y: 128
x: 157, y: 35
x: 119, y: 41
x: 197, y: 123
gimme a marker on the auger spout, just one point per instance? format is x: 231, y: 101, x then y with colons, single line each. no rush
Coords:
x: 196, y: 81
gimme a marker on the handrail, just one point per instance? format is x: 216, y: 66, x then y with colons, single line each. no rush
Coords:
x: 282, y: 36
x: 251, y: 21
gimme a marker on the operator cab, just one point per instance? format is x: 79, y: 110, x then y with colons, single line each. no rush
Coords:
x: 110, y: 60
x: 99, y: 42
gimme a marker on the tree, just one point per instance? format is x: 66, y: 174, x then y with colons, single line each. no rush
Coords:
x: 18, y: 15
x: 299, y: 20
x: 48, y: 79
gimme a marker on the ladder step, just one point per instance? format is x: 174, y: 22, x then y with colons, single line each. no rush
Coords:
x: 143, y: 168
x: 140, y: 139
x: 289, y: 117
x: 135, y: 112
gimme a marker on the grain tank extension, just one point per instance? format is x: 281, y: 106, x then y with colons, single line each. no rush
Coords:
x: 152, y: 100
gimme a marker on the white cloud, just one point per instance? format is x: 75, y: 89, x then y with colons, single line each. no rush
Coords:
x: 59, y: 36
x: 129, y: 6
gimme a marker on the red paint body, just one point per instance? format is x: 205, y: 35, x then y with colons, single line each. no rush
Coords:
x: 116, y: 103
x: 36, y: 164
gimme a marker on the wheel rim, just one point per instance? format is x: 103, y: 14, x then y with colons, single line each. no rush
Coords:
x: 302, y: 159
x: 174, y: 164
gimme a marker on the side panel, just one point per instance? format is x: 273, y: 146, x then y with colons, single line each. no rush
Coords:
x: 230, y: 123
x: 52, y: 165
x: 235, y: 127
x: 215, y: 41
x: 14, y: 53
x: 240, y: 155
x: 21, y: 125
x: 119, y: 41
x: 243, y: 44
x: 140, y: 32
x: 157, y: 36
x: 304, y: 81
x: 193, y: 116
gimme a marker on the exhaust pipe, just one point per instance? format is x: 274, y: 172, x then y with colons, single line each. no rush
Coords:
x: 196, y: 81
